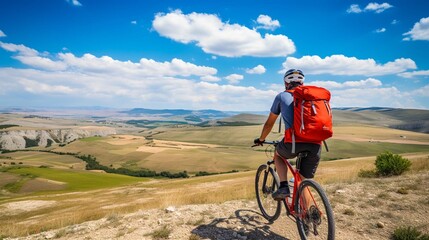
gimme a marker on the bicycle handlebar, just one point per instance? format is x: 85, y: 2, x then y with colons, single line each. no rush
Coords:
x: 267, y: 142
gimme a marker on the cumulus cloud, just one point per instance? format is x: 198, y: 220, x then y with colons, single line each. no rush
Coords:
x: 371, y: 7
x: 342, y: 65
x: 420, y: 31
x: 89, y: 63
x: 267, y: 23
x: 210, y: 78
x: 378, y: 8
x: 256, y: 70
x: 380, y: 30
x: 421, y: 92
x: 369, y: 92
x: 234, y: 78
x: 354, y: 8
x: 2, y: 34
x: 414, y: 74
x: 74, y: 2
x: 367, y: 83
x: 220, y: 38
x: 106, y: 81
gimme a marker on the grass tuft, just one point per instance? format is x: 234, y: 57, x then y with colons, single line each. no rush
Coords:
x: 409, y: 233
x: 349, y: 212
x: 162, y: 233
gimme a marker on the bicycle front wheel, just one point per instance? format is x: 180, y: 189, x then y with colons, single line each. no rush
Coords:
x: 315, y: 219
x: 267, y: 182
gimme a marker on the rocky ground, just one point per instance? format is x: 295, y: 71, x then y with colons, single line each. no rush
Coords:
x: 367, y: 209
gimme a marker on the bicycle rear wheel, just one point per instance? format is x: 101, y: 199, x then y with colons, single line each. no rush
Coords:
x: 315, y: 219
x: 267, y: 182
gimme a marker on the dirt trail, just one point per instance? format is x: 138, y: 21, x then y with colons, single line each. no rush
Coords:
x: 368, y: 209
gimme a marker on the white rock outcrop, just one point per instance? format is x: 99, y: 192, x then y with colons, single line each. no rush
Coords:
x: 20, y: 139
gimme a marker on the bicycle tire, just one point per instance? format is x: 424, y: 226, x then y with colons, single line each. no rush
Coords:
x: 317, y: 221
x: 266, y: 182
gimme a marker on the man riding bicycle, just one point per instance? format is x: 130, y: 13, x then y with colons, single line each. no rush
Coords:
x: 283, y: 103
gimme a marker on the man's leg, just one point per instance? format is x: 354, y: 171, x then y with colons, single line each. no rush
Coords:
x: 281, y: 169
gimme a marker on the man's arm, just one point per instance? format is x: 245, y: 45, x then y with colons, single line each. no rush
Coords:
x: 268, y: 126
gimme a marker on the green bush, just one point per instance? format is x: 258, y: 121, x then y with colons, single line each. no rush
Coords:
x: 389, y: 164
x: 409, y: 233
x: 367, y: 173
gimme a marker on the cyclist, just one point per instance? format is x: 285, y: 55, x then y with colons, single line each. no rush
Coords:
x: 283, y: 103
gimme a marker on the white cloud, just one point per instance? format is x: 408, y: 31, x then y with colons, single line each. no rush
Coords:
x: 367, y: 83
x: 267, y: 23
x: 342, y: 65
x: 369, y: 92
x: 420, y: 31
x: 414, y: 73
x: 106, y: 81
x: 74, y: 2
x: 421, y: 92
x: 394, y: 22
x: 21, y: 49
x: 221, y: 38
x: 380, y: 30
x: 370, y: 97
x: 378, y: 8
x: 365, y: 93
x: 354, y: 8
x: 371, y: 7
x: 234, y: 78
x: 36, y: 87
x: 210, y: 78
x: 134, y: 22
x: 89, y: 63
x: 256, y: 70
x: 2, y: 34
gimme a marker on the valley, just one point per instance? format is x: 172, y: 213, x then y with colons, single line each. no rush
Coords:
x: 40, y: 181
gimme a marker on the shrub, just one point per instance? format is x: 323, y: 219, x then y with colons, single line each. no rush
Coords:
x: 367, y: 173
x: 389, y: 164
x: 408, y: 233
x: 162, y: 233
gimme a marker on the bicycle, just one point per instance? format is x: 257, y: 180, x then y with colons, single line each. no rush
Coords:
x: 308, y: 204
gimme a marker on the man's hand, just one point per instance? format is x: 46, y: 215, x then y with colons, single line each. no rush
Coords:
x: 258, y: 142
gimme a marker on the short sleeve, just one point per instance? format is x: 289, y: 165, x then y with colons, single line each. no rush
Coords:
x: 275, y: 108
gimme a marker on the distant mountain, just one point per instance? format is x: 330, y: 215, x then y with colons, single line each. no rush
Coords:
x: 206, y: 114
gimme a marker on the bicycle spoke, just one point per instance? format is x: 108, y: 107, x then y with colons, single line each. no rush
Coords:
x: 265, y: 185
x: 315, y: 214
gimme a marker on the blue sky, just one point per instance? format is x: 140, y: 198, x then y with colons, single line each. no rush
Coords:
x: 225, y: 55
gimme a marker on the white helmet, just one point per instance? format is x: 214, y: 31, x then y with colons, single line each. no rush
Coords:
x: 294, y: 75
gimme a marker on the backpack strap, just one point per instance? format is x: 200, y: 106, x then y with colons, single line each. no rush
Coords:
x: 293, y: 141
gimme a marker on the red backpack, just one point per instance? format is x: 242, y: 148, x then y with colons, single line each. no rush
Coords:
x: 312, y: 117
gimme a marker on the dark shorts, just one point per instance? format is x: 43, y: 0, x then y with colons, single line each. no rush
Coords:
x: 309, y: 163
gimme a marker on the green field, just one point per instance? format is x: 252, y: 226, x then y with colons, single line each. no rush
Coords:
x: 77, y: 180
x: 35, y: 158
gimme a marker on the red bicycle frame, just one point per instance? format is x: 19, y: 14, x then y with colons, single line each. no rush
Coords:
x: 289, y: 201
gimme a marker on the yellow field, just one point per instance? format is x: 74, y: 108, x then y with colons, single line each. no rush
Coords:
x: 222, y: 149
x: 211, y: 149
x: 58, y: 210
